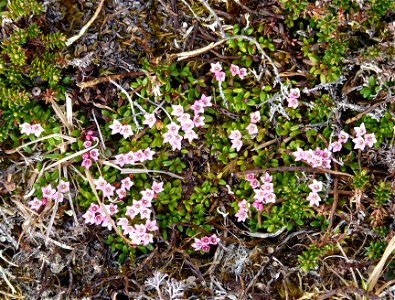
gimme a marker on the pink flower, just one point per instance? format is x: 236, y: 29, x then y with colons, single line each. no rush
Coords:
x: 255, y: 183
x: 234, y: 70
x: 148, y: 194
x: 150, y: 120
x: 87, y: 144
x: 94, y: 154
x: 299, y: 154
x: 241, y: 215
x: 147, y: 238
x: 137, y: 205
x: 216, y: 67
x: 205, y: 240
x: 266, y: 178
x: 315, y: 186
x: 252, y: 129
x: 126, y: 183
x: 190, y: 135
x: 235, y: 135
x: 361, y: 130
x: 343, y: 137
x: 270, y: 198
x: 359, y: 143
x: 205, y: 248
x: 121, y: 193
x: 86, y: 163
x: 197, y: 107
x: 123, y: 222
x: 294, y: 93
x: 146, y: 202
x: 115, y: 127
x: 140, y: 228
x: 176, y: 142
x: 112, y: 209
x: 126, y: 131
x: 184, y: 117
x: 63, y: 186
x: 100, y: 183
x: 370, y: 139
x: 242, y: 73
x: 335, y: 146
x: 237, y: 144
x: 213, y: 240
x: 293, y: 103
x: 89, y: 217
x: 255, y: 117
x: 48, y: 192
x: 36, y: 129
x: 267, y: 187
x: 205, y: 100
x: 258, y: 205
x: 219, y: 76
x: 108, y: 190
x: 187, y: 125
x: 25, y: 128
x: 131, y: 211
x: 314, y: 198
x: 177, y: 110
x: 198, y: 121
x: 151, y: 225
x: 35, y: 204
x: 250, y: 177
x: 94, y: 208
x: 119, y: 160
x: 197, y: 245
x: 58, y: 197
x: 243, y: 204
x: 157, y: 187
x: 173, y: 128
x: 139, y: 156
x: 148, y: 154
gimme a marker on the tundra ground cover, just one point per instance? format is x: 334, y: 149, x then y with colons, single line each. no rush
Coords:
x: 278, y: 133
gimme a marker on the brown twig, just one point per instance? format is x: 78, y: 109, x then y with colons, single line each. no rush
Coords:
x: 360, y: 115
x: 348, y: 290
x: 91, y: 83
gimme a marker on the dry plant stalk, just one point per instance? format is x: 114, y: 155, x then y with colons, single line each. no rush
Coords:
x: 86, y: 26
x: 374, y: 277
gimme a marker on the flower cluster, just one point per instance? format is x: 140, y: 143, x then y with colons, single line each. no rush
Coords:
x: 313, y: 197
x: 293, y: 96
x: 95, y: 215
x: 235, y: 70
x: 264, y: 190
x: 235, y: 137
x: 204, y: 243
x: 150, y: 120
x: 187, y: 124
x: 138, y: 232
x: 49, y: 193
x: 92, y: 154
x: 316, y: 158
x: 252, y: 129
x: 341, y: 139
x: 132, y: 158
x: 35, y: 129
x: 124, y: 130
x: 142, y: 208
x: 363, y: 139
x: 242, y: 213
x: 216, y: 69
